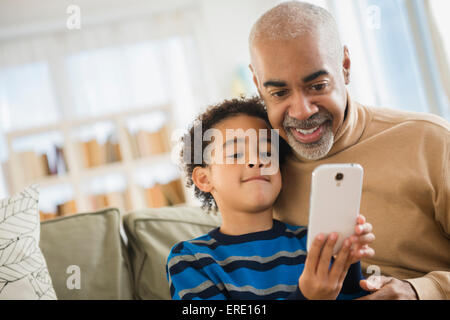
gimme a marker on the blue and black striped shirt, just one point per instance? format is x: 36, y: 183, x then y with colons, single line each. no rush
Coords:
x: 260, y: 265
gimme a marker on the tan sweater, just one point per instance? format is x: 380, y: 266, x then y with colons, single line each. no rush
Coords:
x: 406, y: 191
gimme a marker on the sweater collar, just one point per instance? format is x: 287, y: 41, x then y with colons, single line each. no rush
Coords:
x: 350, y: 130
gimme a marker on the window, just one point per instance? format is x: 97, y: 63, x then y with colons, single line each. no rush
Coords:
x: 26, y: 97
x: 109, y: 80
x: 391, y: 55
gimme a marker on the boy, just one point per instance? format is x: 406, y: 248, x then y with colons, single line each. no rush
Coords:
x: 251, y: 255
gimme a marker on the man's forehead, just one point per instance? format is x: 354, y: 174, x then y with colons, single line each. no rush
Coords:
x: 271, y: 59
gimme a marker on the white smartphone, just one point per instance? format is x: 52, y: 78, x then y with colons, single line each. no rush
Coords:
x: 335, y: 201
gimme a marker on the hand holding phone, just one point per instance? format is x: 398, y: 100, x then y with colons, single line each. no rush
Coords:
x: 318, y: 280
x: 335, y: 200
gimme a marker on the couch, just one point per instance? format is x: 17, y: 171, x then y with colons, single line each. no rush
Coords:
x: 118, y: 257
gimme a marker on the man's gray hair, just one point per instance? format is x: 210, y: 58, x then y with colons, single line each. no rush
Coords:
x: 292, y: 19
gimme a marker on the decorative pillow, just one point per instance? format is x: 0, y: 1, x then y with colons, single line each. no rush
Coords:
x: 86, y: 256
x: 151, y: 234
x: 23, y: 270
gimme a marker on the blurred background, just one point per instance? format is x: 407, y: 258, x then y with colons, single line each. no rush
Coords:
x: 93, y: 93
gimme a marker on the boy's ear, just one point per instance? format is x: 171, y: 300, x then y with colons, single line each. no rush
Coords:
x: 200, y: 176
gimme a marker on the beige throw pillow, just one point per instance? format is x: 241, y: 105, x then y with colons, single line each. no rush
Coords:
x: 151, y: 234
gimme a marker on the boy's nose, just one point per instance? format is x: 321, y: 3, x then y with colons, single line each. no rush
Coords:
x: 259, y: 164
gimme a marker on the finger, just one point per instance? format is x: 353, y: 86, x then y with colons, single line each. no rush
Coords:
x: 325, y: 256
x: 363, y: 228
x: 348, y: 262
x: 363, y: 240
x: 375, y: 282
x: 381, y: 294
x: 363, y: 253
x: 339, y: 270
x: 360, y: 219
x: 314, y: 253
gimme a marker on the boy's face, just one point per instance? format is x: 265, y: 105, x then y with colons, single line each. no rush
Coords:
x: 235, y: 177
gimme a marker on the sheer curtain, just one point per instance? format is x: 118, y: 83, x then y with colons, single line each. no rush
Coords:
x: 100, y: 69
x: 436, y: 11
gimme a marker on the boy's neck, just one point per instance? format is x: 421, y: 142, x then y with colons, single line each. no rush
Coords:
x: 238, y: 223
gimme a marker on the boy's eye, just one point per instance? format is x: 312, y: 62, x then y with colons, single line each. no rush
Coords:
x: 236, y: 155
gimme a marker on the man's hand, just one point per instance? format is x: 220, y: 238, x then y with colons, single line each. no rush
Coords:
x: 318, y: 280
x: 361, y: 239
x: 387, y: 288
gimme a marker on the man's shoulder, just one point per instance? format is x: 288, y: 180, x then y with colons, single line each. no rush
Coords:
x: 407, y: 119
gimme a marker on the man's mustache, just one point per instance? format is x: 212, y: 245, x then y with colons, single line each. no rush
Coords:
x: 314, y: 121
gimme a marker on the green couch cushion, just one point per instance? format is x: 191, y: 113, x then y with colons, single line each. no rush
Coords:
x: 92, y: 243
x: 151, y: 234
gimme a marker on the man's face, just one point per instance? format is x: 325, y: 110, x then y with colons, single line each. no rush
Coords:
x: 303, y: 86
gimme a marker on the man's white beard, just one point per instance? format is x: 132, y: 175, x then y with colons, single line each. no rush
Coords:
x: 312, y: 151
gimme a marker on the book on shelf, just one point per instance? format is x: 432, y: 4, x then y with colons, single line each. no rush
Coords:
x: 155, y: 197
x: 161, y: 195
x: 173, y: 192
x: 145, y: 143
x: 112, y: 150
x: 61, y: 163
x: 133, y: 145
x: 118, y: 200
x: 94, y: 154
x: 115, y: 199
x: 47, y: 215
x: 66, y: 208
x: 36, y: 166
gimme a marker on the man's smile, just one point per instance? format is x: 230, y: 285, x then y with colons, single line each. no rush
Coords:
x: 308, y: 136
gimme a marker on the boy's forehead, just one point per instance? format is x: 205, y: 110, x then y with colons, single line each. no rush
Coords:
x: 243, y: 122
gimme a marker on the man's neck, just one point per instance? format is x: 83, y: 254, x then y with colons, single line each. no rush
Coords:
x: 236, y: 223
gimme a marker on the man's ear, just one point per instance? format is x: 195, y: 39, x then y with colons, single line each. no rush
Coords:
x: 346, y: 63
x: 255, y: 79
x: 200, y: 176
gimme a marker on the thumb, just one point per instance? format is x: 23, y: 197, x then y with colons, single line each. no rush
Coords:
x: 374, y: 283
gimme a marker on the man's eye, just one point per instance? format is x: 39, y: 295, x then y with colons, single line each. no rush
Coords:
x: 319, y: 87
x: 279, y: 93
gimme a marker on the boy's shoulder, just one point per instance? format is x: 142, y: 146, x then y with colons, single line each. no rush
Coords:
x: 289, y: 228
x: 191, y: 246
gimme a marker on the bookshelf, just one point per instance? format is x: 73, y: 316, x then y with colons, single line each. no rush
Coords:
x: 75, y: 158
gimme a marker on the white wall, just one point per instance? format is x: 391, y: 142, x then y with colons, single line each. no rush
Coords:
x: 226, y: 25
x: 222, y: 28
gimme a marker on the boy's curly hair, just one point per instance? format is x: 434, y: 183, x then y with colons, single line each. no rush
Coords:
x: 212, y: 116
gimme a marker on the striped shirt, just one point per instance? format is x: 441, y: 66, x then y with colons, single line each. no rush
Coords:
x: 260, y: 265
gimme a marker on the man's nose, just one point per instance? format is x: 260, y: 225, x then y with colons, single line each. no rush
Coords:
x: 301, y: 107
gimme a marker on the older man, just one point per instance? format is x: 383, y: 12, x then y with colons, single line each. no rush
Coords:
x: 301, y: 71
